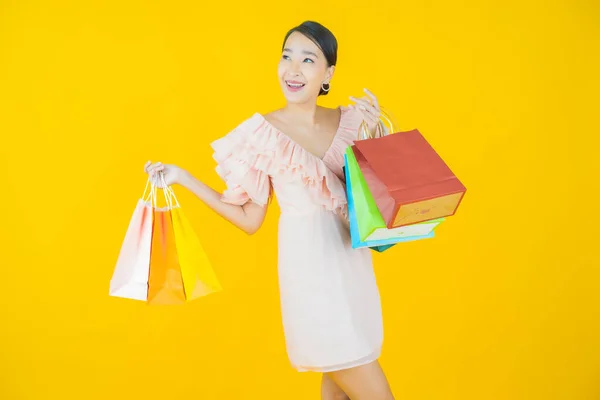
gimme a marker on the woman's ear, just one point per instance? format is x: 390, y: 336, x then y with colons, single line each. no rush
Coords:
x: 329, y: 73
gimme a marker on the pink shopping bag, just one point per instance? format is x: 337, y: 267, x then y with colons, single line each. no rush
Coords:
x: 130, y: 276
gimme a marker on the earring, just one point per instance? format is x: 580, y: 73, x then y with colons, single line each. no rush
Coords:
x: 325, y: 89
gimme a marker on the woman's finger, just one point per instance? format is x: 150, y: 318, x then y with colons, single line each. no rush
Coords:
x: 366, y: 99
x: 153, y: 169
x: 373, y: 98
x: 373, y: 111
x: 363, y: 99
x: 360, y: 98
x: 369, y: 117
x: 370, y: 111
x: 366, y: 104
x: 362, y: 103
x: 154, y: 166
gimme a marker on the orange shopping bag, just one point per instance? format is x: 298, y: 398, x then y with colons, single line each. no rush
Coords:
x: 165, y: 283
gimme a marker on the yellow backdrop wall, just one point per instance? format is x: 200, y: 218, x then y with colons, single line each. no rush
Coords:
x: 502, y: 304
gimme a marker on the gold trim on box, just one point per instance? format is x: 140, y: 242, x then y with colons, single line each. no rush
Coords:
x: 427, y: 209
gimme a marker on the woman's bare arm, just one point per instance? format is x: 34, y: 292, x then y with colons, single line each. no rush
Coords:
x: 248, y: 217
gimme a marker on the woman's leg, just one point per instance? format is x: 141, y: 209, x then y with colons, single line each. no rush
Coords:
x: 366, y: 382
x: 331, y: 391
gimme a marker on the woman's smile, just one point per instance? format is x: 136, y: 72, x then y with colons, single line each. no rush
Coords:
x: 294, y: 86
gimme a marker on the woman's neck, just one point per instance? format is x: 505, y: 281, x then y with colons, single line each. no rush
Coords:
x: 305, y: 112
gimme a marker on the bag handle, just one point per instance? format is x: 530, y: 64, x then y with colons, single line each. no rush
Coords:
x: 153, y: 181
x: 150, y: 196
x: 169, y: 192
x: 385, y: 116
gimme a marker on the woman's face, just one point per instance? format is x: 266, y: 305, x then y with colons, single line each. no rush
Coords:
x: 302, y: 69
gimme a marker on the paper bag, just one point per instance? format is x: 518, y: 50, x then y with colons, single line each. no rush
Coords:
x: 165, y: 283
x: 356, y: 198
x: 130, y: 276
x: 409, y: 181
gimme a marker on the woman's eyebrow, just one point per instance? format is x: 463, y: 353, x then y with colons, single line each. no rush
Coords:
x: 305, y: 52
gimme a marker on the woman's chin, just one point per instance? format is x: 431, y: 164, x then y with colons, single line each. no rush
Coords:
x: 296, y: 98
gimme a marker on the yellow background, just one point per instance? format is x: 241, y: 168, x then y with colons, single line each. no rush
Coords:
x: 502, y: 304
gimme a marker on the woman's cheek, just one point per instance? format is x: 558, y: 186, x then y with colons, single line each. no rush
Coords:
x: 280, y: 71
x: 309, y: 75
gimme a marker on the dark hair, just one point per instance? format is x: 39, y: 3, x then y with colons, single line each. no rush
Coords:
x: 320, y: 36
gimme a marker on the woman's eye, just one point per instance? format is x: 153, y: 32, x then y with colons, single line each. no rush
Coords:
x: 285, y: 57
x: 308, y: 60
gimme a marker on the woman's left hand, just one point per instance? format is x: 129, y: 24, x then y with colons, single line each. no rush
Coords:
x: 369, y: 107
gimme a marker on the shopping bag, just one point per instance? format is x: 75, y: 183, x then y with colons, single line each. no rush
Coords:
x: 371, y: 226
x: 130, y: 276
x: 199, y: 278
x: 165, y: 283
x: 380, y: 244
x: 364, y: 205
x: 409, y: 181
x: 354, y: 231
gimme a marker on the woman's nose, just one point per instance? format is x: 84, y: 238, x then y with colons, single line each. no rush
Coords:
x: 295, y: 68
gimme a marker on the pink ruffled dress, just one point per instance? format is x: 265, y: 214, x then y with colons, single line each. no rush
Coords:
x: 330, y: 302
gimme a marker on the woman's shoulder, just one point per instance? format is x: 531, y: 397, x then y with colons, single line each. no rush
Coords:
x: 339, y: 113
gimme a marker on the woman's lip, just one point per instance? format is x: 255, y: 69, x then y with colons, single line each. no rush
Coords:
x: 295, y: 82
x: 294, y: 89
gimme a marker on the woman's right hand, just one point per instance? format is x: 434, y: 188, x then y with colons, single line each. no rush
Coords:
x: 172, y: 174
x: 248, y: 217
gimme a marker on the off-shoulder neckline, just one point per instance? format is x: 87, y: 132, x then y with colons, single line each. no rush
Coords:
x: 331, y: 145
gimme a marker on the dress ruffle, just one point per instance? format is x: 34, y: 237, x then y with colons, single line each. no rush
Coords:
x: 346, y: 135
x: 255, y: 150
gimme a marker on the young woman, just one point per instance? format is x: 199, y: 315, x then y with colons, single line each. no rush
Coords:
x: 329, y: 296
